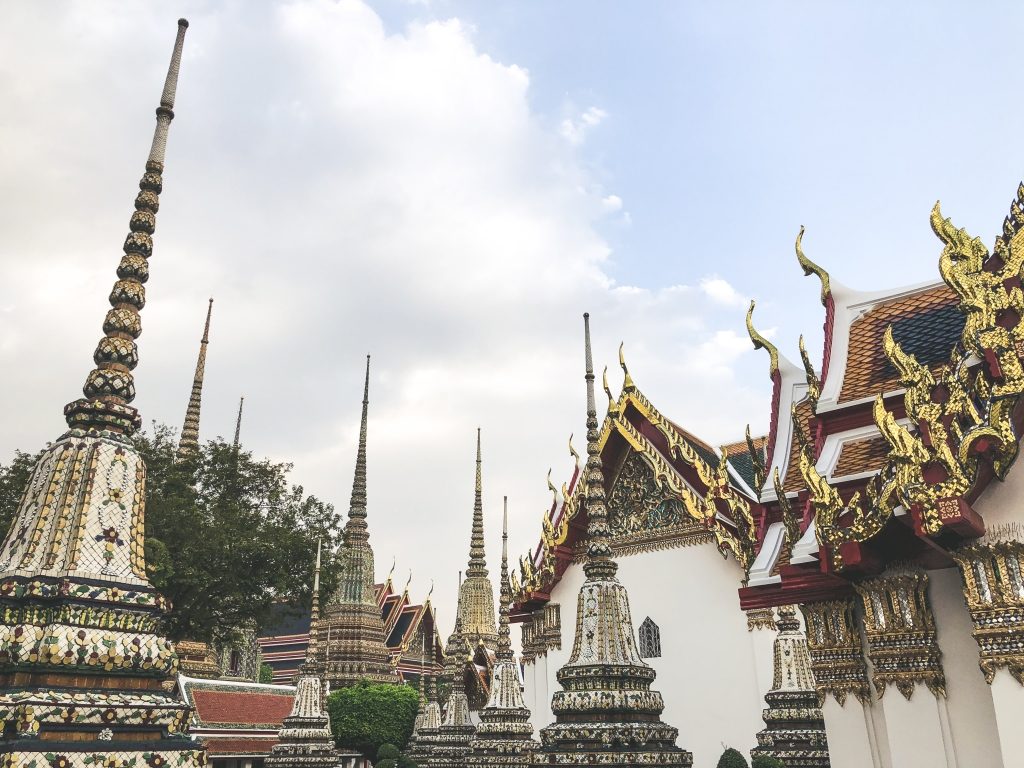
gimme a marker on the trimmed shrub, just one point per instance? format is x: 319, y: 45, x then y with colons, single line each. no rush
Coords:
x: 385, y: 764
x: 266, y: 673
x: 388, y: 752
x: 732, y: 758
x: 367, y: 716
x: 766, y: 761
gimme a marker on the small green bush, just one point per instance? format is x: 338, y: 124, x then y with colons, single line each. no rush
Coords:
x: 386, y: 764
x: 406, y: 762
x: 731, y: 758
x: 766, y: 761
x: 388, y: 752
x: 266, y: 673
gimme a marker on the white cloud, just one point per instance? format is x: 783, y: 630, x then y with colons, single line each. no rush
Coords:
x: 340, y: 190
x: 575, y: 129
x: 722, y: 292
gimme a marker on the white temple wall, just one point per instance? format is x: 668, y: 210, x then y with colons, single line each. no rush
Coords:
x: 762, y: 649
x: 850, y: 732
x: 707, y: 672
x: 971, y: 713
x: 1003, y: 502
x: 1008, y: 701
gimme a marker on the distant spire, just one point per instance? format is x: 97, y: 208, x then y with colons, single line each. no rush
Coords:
x: 357, y: 505
x: 189, y: 441
x: 600, y: 564
x: 238, y: 424
x: 312, y: 649
x: 110, y: 387
x: 477, y: 556
x: 504, y: 594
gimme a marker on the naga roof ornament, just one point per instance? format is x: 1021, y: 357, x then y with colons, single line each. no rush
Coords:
x: 813, y: 382
x: 809, y: 268
x: 761, y: 342
x: 189, y: 441
x: 627, y: 380
x: 81, y: 622
x: 606, y: 711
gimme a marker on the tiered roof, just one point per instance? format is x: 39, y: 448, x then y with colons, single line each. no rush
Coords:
x: 236, y: 719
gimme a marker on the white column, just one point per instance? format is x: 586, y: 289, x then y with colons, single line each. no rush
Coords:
x: 850, y: 744
x: 1008, y: 697
x: 761, y: 630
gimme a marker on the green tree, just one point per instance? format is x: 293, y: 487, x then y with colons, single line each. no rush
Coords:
x: 226, y: 534
x: 732, y: 758
x: 266, y: 673
x: 13, y: 479
x: 366, y: 716
x: 766, y: 761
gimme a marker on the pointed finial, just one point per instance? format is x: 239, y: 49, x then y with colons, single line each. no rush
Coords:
x: 574, y: 453
x: 110, y: 388
x: 408, y: 582
x: 504, y: 594
x: 554, y: 491
x: 431, y: 590
x: 312, y: 649
x: 809, y: 268
x: 238, y: 424
x: 477, y: 554
x: 189, y: 441
x: 600, y: 564
x: 627, y: 380
x: 613, y: 407
x: 761, y: 342
x: 357, y: 505
x: 394, y: 560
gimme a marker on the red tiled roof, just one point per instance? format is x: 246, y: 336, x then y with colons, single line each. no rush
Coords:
x: 241, y: 707
x: 223, y: 747
x: 857, y: 456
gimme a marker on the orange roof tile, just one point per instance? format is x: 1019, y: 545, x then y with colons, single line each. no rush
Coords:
x: 858, y: 456
x: 794, y: 481
x: 243, y: 707
x: 931, y: 323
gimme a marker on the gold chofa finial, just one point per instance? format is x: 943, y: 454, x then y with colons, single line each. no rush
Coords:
x: 613, y: 407
x: 574, y: 453
x: 813, y: 383
x: 809, y: 268
x: 554, y: 491
x: 627, y: 380
x: 761, y: 342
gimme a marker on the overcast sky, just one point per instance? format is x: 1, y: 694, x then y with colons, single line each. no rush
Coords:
x: 449, y: 186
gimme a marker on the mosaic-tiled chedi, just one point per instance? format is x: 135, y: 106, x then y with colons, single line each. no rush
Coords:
x: 305, y: 738
x: 451, y: 744
x: 352, y: 634
x: 84, y: 670
x: 795, y: 732
x: 606, y: 713
x: 189, y: 441
x: 421, y: 745
x: 504, y: 736
x: 476, y: 594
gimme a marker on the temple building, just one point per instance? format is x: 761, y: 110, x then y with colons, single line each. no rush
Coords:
x: 882, y: 501
x: 88, y: 678
x: 352, y: 633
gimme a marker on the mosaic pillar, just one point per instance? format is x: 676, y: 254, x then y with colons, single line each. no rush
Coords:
x: 840, y: 677
x: 994, y: 591
x: 904, y: 653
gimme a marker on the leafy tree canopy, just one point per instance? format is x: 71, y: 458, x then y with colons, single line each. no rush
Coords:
x: 366, y: 716
x: 226, y: 534
x: 732, y: 758
x: 766, y: 761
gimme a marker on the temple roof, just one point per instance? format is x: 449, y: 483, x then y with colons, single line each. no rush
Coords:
x: 236, y: 718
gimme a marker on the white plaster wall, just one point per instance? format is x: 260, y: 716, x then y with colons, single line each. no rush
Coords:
x: 707, y: 672
x: 1003, y: 502
x: 915, y: 730
x: 972, y: 717
x: 1008, y: 697
x: 762, y: 649
x: 849, y: 732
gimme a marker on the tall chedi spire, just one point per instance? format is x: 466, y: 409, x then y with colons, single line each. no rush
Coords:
x: 356, y: 649
x: 423, y: 748
x: 305, y: 739
x: 85, y: 664
x: 451, y: 744
x: 476, y: 594
x: 606, y: 713
x: 504, y: 736
x: 189, y: 441
x: 238, y: 425
x: 795, y: 726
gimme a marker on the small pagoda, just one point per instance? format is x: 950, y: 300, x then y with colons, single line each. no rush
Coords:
x: 352, y: 633
x: 87, y: 678
x: 795, y: 727
x: 425, y: 738
x: 606, y: 713
x: 451, y: 744
x: 305, y: 739
x: 504, y: 738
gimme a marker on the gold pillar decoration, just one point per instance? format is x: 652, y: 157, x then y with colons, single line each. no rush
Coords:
x: 994, y: 590
x: 900, y: 630
x: 760, y: 618
x: 837, y: 658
